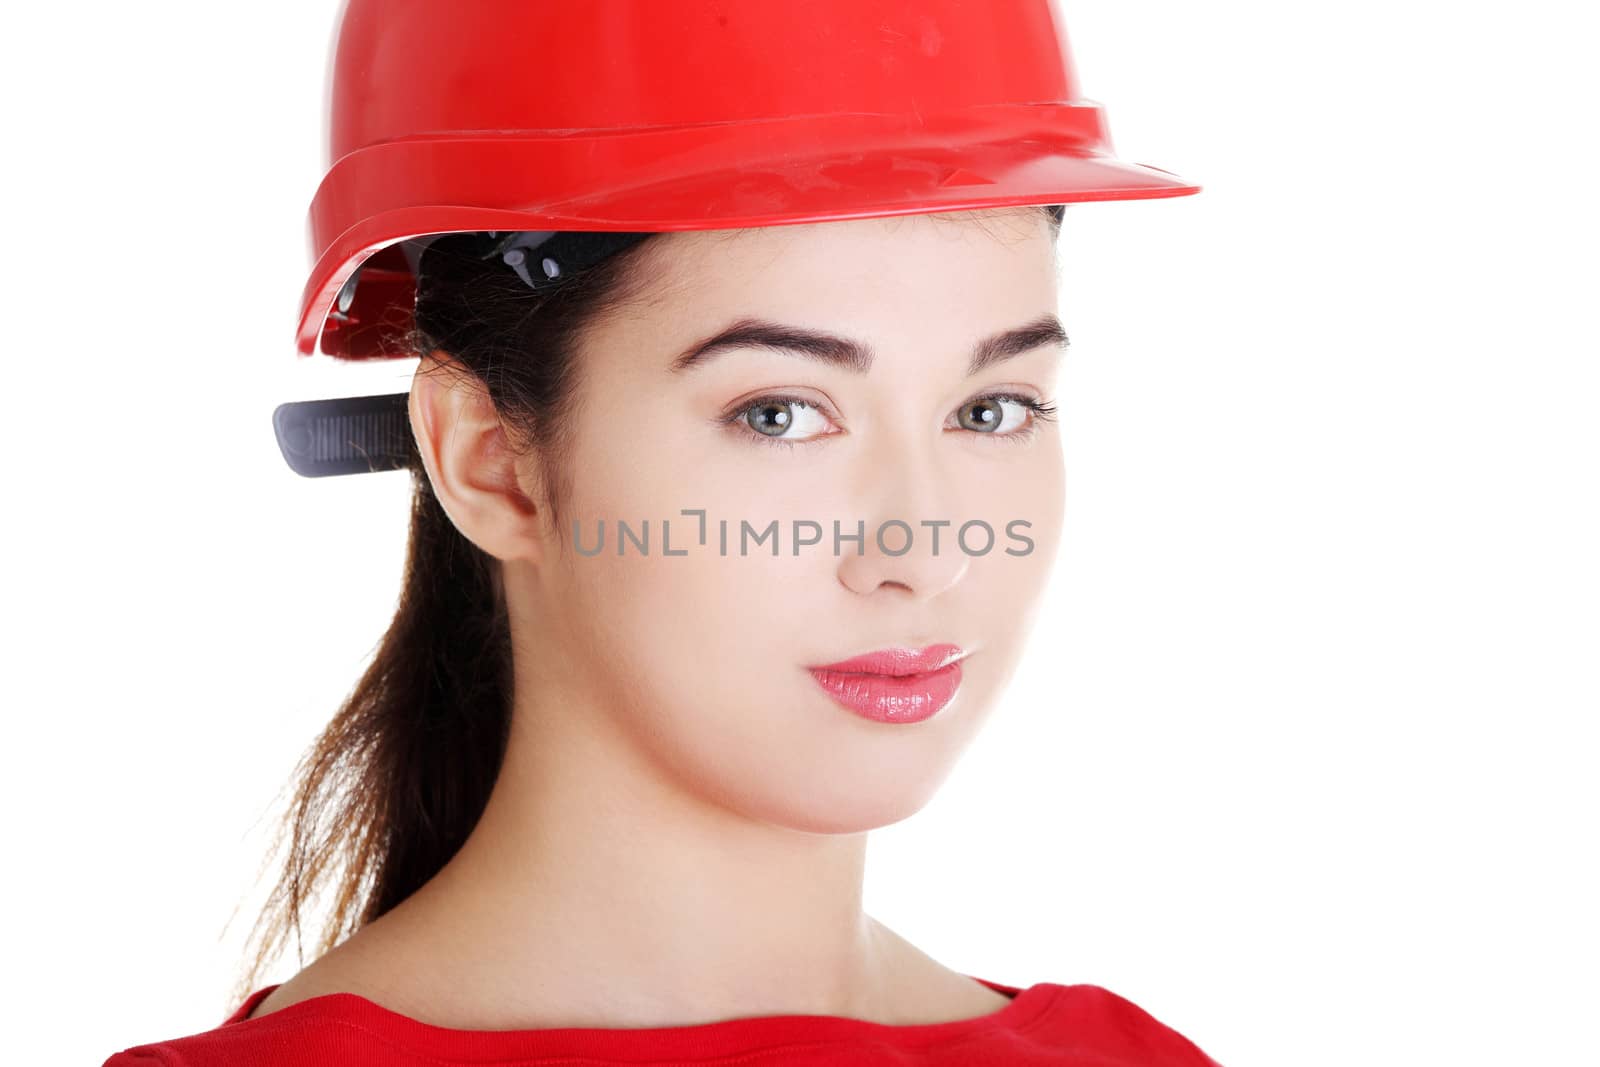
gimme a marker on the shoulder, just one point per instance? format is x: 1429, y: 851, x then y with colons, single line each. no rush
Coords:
x: 298, y: 1035
x: 1122, y: 1030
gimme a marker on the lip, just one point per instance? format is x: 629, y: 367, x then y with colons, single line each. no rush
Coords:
x: 897, y: 661
x: 897, y: 685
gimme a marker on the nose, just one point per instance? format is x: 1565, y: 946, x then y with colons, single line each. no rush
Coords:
x: 918, y: 573
x: 907, y: 542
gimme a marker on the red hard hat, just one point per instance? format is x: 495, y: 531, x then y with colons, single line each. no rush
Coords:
x: 654, y: 115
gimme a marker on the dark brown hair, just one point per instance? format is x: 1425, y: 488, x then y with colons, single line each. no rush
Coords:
x: 395, y: 782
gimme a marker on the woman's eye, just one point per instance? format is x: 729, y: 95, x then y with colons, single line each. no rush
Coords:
x: 791, y: 421
x: 781, y: 420
x: 1004, y: 415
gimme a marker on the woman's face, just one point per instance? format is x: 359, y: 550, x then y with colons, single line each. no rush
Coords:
x: 700, y: 658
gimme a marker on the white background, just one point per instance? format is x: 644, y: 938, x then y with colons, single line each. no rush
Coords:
x: 1303, y: 758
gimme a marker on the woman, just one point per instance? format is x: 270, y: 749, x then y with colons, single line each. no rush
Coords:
x: 735, y: 485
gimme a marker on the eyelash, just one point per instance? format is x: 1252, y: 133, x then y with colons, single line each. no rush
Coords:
x: 1039, y: 413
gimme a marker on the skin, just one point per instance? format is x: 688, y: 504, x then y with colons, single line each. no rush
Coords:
x: 678, y: 834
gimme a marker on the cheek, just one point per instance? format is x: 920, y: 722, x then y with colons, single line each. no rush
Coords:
x: 1048, y: 507
x: 717, y: 628
x: 693, y: 638
x: 697, y: 630
x: 703, y: 659
x: 1022, y: 501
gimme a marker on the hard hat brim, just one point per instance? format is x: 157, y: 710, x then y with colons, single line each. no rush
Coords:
x: 715, y: 176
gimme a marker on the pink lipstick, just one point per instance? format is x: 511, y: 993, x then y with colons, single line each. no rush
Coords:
x: 895, y: 684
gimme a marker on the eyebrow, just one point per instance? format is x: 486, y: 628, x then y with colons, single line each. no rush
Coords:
x: 856, y: 356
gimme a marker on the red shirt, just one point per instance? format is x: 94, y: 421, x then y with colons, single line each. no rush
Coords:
x: 1045, y: 1023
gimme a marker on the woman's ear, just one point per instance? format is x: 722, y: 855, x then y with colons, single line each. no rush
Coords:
x: 469, y: 461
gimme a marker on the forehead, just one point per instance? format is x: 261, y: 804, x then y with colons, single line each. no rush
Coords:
x: 997, y: 262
